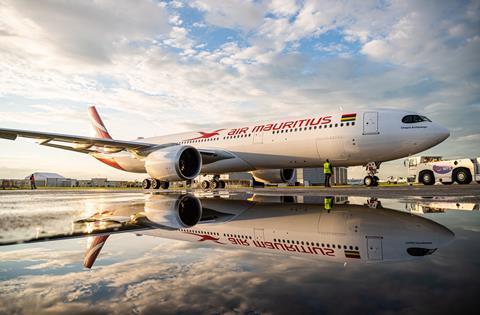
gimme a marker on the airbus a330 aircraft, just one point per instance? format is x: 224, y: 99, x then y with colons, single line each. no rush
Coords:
x: 270, y: 151
x: 325, y: 229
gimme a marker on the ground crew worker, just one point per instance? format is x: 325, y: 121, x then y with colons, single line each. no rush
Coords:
x: 327, y: 170
x: 32, y: 182
x: 328, y: 203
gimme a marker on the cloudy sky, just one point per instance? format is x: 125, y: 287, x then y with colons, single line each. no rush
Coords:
x: 155, y: 68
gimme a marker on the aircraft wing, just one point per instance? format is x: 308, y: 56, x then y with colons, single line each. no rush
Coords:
x: 80, y: 143
x: 88, y: 144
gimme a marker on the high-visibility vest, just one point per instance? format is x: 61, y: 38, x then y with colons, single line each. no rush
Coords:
x: 327, y: 203
x: 326, y: 168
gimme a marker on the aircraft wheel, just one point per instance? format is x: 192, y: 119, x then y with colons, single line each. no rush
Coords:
x: 222, y: 184
x: 146, y: 183
x: 462, y: 176
x: 214, y: 184
x: 427, y: 178
x: 368, y: 181
x: 164, y: 185
x: 375, y: 180
x: 155, y: 183
x: 205, y: 184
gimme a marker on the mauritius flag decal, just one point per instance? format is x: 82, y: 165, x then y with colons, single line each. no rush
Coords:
x: 349, y: 117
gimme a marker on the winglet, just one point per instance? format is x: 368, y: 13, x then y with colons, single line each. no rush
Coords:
x: 98, y: 124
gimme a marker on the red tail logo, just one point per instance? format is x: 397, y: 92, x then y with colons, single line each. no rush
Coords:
x: 205, y: 237
x: 206, y: 135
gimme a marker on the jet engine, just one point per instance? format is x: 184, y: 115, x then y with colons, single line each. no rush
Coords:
x: 275, y: 176
x: 173, y: 211
x: 174, y: 163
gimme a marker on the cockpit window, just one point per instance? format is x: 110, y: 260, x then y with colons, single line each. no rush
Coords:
x: 411, y: 119
x: 418, y: 251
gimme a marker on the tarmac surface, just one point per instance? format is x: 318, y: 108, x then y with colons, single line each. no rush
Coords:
x: 465, y: 192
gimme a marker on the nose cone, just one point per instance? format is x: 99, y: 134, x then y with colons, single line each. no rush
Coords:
x: 443, y: 133
x: 438, y: 233
x: 444, y: 235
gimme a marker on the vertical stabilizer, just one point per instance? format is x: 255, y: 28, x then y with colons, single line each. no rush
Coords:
x: 95, y: 246
x: 98, y: 124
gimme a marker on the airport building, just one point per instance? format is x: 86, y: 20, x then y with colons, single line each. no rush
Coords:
x: 45, y: 179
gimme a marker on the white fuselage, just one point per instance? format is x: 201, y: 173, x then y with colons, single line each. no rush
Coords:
x: 374, y: 135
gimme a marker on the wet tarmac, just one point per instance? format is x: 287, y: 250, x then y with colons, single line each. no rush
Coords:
x: 388, y: 250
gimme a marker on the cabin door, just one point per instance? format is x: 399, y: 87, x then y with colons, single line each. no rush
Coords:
x: 374, y: 248
x: 258, y: 234
x: 370, y: 123
x: 258, y: 137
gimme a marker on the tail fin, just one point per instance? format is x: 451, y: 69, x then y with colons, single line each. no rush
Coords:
x: 98, y: 124
x: 95, y: 246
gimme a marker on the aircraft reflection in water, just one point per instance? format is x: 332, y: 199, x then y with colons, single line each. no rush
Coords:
x: 324, y: 228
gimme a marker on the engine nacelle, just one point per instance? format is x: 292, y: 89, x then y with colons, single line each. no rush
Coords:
x: 275, y: 176
x: 173, y: 211
x: 174, y: 163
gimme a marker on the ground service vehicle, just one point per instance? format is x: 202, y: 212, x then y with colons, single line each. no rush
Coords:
x: 430, y: 169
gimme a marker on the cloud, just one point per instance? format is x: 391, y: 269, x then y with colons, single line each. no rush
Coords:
x: 246, y: 15
x: 89, y: 30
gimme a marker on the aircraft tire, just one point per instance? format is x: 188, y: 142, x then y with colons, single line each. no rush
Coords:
x: 368, y: 181
x: 205, y: 184
x: 214, y: 184
x: 164, y: 185
x: 155, y: 183
x: 222, y: 184
x: 146, y: 183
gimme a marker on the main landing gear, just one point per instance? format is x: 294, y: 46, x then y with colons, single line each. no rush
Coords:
x: 215, y: 183
x: 371, y: 180
x: 154, y: 184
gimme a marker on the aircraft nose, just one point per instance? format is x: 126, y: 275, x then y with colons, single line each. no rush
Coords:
x: 444, y: 133
x: 440, y: 134
x: 444, y: 235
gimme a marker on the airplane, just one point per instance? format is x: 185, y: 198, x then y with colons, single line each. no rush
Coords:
x: 320, y: 229
x: 270, y: 151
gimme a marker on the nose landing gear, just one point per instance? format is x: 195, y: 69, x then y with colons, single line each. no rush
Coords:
x: 371, y: 180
